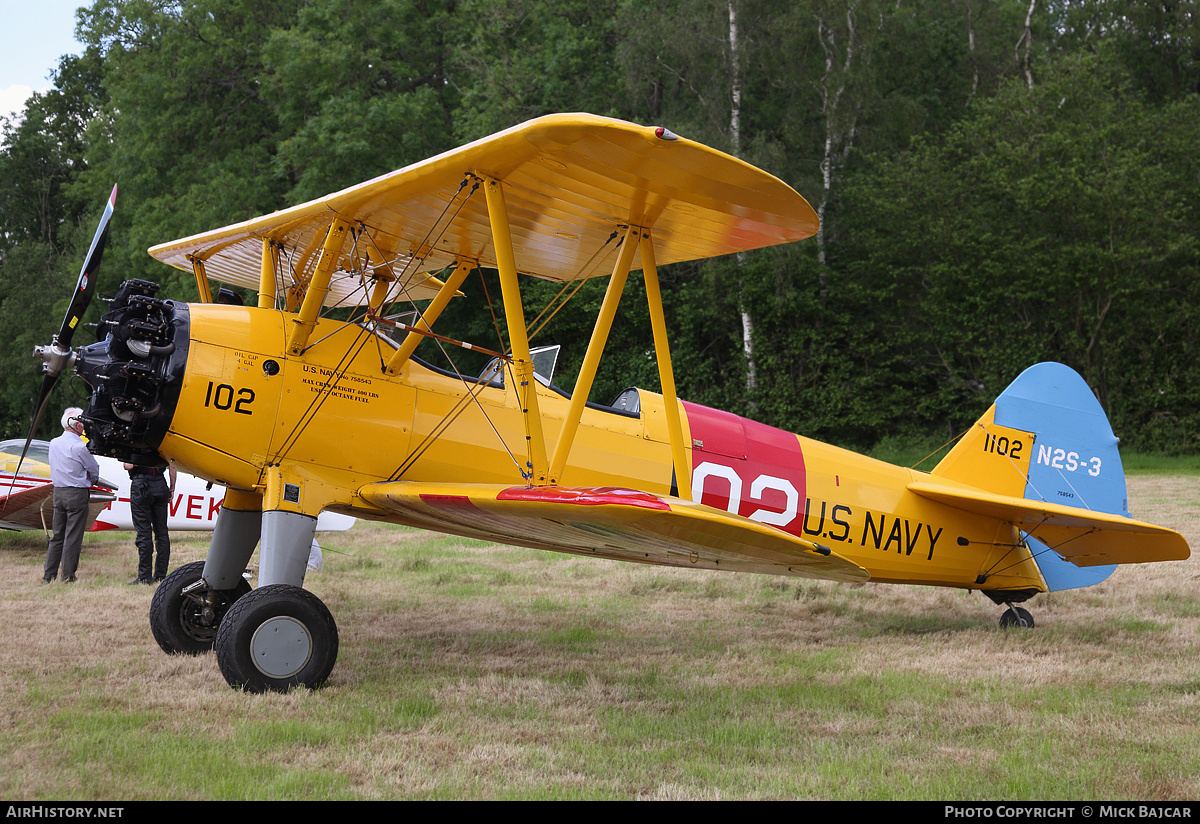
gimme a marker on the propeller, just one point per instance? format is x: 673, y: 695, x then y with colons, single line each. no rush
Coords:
x: 58, y: 356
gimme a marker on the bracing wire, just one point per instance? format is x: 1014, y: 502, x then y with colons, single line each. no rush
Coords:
x: 323, y: 393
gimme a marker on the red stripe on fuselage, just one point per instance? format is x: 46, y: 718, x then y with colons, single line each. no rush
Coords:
x: 759, y: 465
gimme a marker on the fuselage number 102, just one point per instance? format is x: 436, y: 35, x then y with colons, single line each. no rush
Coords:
x: 223, y: 396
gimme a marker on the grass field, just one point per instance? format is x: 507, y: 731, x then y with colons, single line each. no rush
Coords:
x: 469, y: 670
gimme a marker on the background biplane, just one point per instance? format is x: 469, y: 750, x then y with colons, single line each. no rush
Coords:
x: 26, y: 494
x: 313, y: 400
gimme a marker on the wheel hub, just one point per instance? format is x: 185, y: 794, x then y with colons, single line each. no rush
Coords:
x: 201, y: 612
x: 197, y: 622
x: 280, y: 647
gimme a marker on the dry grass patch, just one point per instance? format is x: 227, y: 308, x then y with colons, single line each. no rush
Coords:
x: 469, y: 670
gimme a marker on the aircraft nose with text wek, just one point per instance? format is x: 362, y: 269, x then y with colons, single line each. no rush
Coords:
x: 314, y: 399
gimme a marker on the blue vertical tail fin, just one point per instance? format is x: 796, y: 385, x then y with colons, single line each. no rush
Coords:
x: 1061, y: 450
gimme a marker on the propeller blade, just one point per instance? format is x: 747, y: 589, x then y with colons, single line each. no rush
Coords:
x: 86, y: 286
x: 58, y: 356
x: 39, y: 409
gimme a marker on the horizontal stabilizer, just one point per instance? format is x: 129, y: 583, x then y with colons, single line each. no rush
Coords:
x: 609, y: 522
x: 1084, y: 537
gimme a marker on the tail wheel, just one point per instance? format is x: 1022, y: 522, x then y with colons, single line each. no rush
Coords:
x: 1016, y: 617
x: 276, y: 638
x: 184, y: 614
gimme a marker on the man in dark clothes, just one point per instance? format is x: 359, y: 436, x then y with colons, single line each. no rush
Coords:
x: 149, y: 497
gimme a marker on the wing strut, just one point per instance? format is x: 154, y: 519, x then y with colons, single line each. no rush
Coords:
x: 267, y: 279
x: 425, y: 321
x: 666, y: 376
x: 518, y: 336
x: 202, y: 285
x: 591, y: 360
x: 318, y: 287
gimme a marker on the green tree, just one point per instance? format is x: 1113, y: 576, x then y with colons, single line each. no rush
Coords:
x: 188, y: 131
x: 359, y: 88
x: 44, y: 228
x: 1050, y: 225
x: 520, y: 59
x: 1157, y: 41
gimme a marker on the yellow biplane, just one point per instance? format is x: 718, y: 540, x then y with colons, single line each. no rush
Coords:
x: 296, y: 411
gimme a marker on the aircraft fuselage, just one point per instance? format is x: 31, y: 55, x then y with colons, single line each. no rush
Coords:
x: 304, y: 433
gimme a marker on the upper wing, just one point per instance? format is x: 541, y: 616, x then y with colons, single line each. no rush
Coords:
x: 1082, y: 536
x: 615, y: 523
x: 569, y: 181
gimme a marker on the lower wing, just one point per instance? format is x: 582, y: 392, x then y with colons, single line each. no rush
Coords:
x: 22, y: 510
x: 609, y: 522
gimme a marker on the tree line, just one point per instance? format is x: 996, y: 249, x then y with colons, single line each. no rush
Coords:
x: 1000, y: 181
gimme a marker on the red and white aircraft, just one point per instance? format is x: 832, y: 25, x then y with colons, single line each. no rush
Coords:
x: 27, y: 499
x: 27, y: 496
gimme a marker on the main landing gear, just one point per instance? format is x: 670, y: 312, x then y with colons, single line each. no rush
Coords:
x: 275, y: 637
x: 271, y: 638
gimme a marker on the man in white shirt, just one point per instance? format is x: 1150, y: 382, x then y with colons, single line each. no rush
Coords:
x: 73, y: 470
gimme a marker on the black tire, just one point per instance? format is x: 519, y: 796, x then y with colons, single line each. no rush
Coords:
x: 187, y: 624
x: 276, y: 638
x: 1016, y: 618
